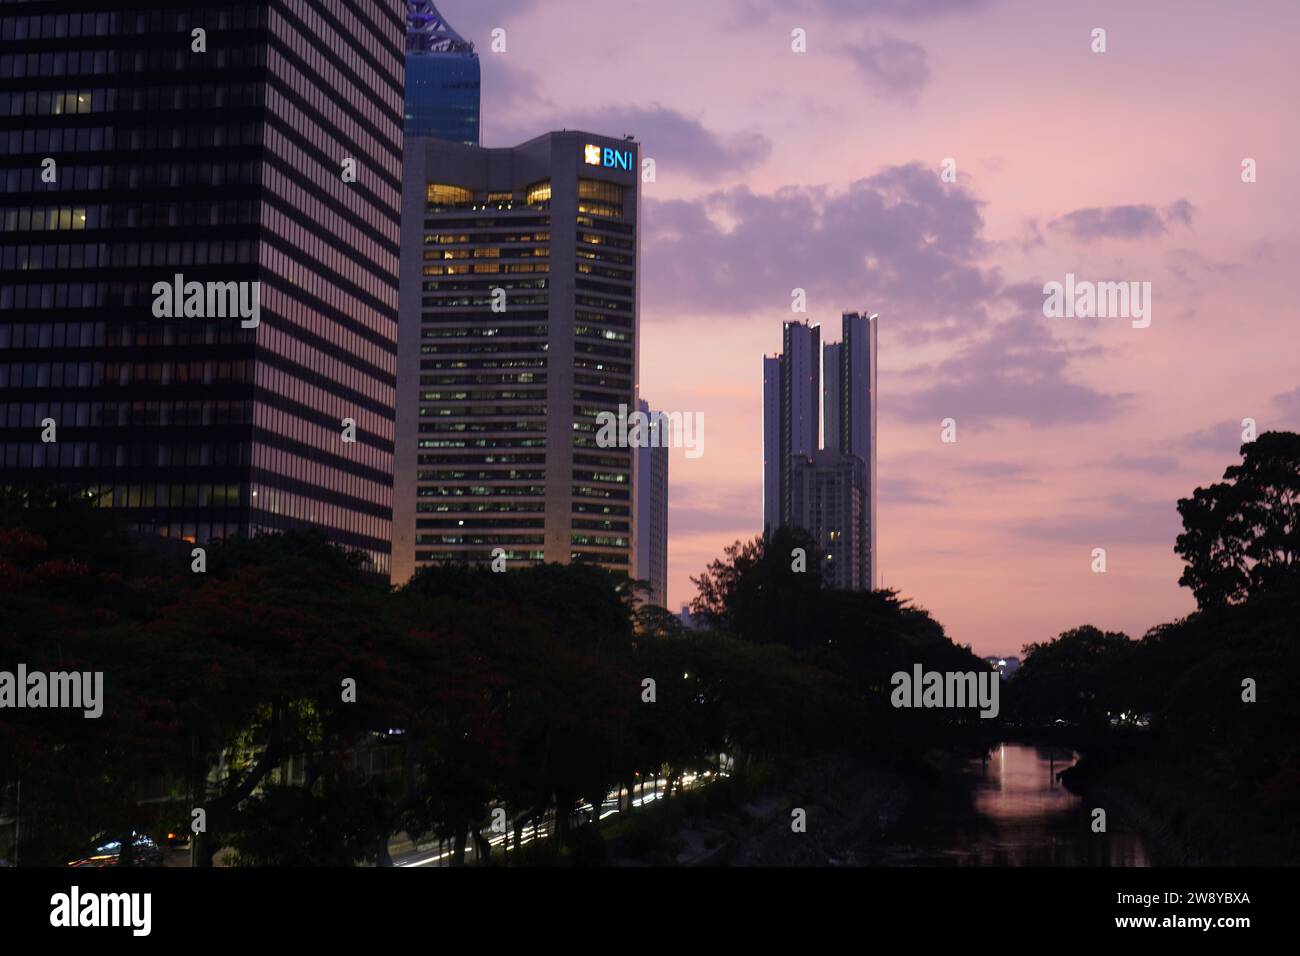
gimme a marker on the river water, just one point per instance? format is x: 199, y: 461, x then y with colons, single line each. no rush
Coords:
x: 1006, y: 810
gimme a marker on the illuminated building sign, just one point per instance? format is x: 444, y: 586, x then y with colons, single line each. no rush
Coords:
x: 607, y: 157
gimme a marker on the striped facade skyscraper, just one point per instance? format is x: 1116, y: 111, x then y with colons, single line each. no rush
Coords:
x: 159, y: 184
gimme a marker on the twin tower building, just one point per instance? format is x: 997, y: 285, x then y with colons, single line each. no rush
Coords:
x: 432, y: 326
x: 819, y: 446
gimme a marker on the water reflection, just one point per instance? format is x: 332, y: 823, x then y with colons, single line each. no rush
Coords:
x: 1005, y: 810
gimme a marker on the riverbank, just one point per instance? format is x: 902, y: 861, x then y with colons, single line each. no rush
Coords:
x: 750, y: 822
x: 839, y: 802
x: 1187, y: 810
x: 1164, y: 845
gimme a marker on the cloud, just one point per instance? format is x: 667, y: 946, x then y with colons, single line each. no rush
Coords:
x: 906, y: 491
x: 1222, y: 437
x: 475, y: 21
x: 1104, y: 521
x: 1026, y: 296
x: 1031, y: 236
x: 1288, y: 403
x: 901, y: 9
x: 1006, y: 472
x: 893, y: 66
x: 1153, y: 464
x: 1188, y: 265
x: 678, y: 143
x: 1123, y: 222
x: 899, y: 242
x: 509, y: 89
x: 733, y: 510
x: 1016, y: 371
x: 906, y: 9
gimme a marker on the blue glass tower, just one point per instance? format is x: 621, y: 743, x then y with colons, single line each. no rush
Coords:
x: 442, y: 78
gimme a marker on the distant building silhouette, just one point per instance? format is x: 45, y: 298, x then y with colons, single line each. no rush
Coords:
x: 825, y: 486
x: 791, y: 415
x: 650, y: 515
x: 1006, y: 666
x: 829, y: 501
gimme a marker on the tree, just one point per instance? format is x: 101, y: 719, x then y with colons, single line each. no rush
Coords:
x: 1242, y: 535
x: 252, y: 662
x: 757, y: 594
x: 1076, y: 677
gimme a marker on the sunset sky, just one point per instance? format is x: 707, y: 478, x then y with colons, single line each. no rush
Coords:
x: 820, y: 170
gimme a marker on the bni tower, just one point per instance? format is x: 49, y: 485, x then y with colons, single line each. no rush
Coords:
x: 264, y: 148
x: 519, y: 314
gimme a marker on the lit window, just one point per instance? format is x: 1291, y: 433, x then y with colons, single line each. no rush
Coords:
x: 539, y: 193
x: 443, y: 195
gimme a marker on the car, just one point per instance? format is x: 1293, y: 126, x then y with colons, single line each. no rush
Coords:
x: 177, y: 839
x: 108, y: 853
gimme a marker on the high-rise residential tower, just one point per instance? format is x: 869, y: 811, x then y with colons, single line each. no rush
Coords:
x: 442, y: 78
x: 829, y: 500
x: 792, y: 414
x: 828, y: 491
x: 518, y: 328
x: 650, y: 517
x: 852, y: 391
x: 165, y: 166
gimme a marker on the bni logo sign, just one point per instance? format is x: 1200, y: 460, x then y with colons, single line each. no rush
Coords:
x: 607, y: 157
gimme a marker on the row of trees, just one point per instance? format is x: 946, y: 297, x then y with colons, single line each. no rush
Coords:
x: 1216, y: 690
x: 251, y: 689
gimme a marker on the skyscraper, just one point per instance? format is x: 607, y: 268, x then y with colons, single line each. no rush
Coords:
x: 831, y: 359
x: 821, y: 490
x: 855, y: 398
x: 518, y: 327
x: 792, y: 414
x: 442, y: 78
x: 650, y: 518
x: 829, y: 500
x: 205, y: 150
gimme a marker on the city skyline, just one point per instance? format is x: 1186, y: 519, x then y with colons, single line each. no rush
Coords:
x: 955, y: 230
x: 344, y: 356
x: 1072, y: 434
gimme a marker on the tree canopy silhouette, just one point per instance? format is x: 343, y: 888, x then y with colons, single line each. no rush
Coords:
x: 1242, y: 535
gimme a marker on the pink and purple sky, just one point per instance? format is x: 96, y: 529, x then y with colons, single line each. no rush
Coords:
x: 820, y: 170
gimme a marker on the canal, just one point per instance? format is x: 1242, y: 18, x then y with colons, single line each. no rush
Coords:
x: 1006, y: 810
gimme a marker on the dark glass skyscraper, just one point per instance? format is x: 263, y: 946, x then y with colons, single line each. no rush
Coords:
x: 791, y: 415
x: 824, y: 485
x: 238, y: 153
x: 442, y: 78
x: 518, y: 328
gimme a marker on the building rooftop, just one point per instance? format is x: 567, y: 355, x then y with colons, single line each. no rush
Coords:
x: 427, y: 30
